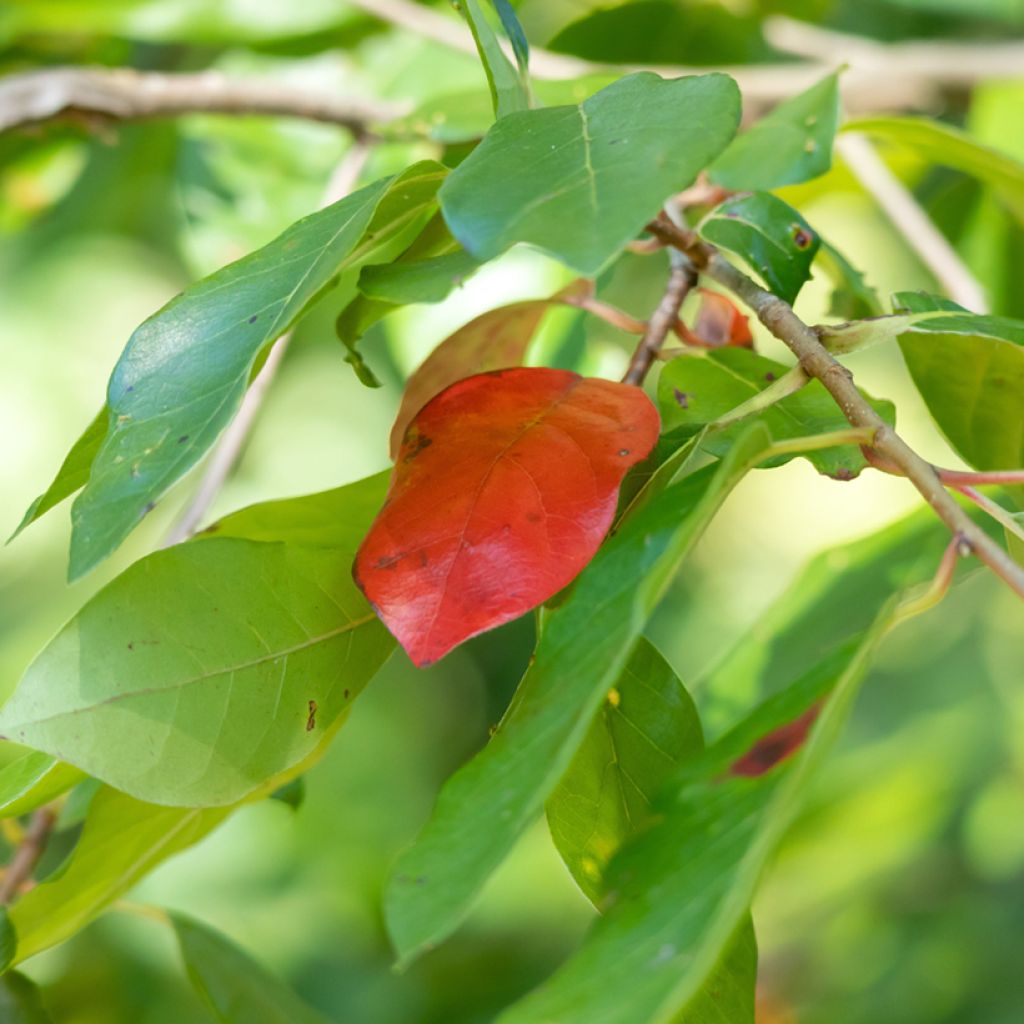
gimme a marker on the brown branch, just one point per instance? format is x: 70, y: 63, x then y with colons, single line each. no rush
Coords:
x: 879, y: 76
x: 27, y: 854
x: 664, y: 319
x: 818, y: 362
x: 123, y: 94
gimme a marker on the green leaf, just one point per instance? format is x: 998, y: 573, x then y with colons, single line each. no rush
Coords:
x: 185, y: 370
x: 852, y: 297
x: 122, y: 841
x: 202, y: 670
x: 21, y: 1002
x: 8, y: 940
x: 950, y: 147
x: 1013, y: 540
x: 426, y: 272
x: 338, y: 518
x: 834, y: 599
x: 790, y: 145
x: 970, y: 372
x: 681, y: 891
x: 582, y: 650
x: 510, y: 89
x: 236, y: 988
x: 644, y: 729
x: 770, y: 235
x: 33, y: 780
x: 697, y: 389
x: 579, y: 182
x: 73, y: 473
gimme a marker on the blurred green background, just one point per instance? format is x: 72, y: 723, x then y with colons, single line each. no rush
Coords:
x: 899, y: 897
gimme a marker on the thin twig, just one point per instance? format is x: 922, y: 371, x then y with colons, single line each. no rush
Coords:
x: 605, y: 311
x: 27, y: 855
x: 681, y: 279
x: 939, y: 586
x: 229, y: 448
x: 992, y: 508
x: 818, y: 362
x: 910, y: 220
x: 124, y: 94
x: 913, y: 72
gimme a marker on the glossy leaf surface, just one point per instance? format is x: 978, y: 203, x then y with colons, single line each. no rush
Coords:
x: 770, y: 235
x: 695, y: 390
x: 184, y: 371
x: 645, y: 728
x: 505, y: 485
x: 191, y: 678
x: 33, y: 780
x: 791, y: 144
x: 583, y: 648
x: 235, y: 987
x: 495, y: 340
x: 579, y: 182
x: 647, y: 959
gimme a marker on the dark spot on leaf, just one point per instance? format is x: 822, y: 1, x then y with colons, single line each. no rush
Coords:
x: 623, y: 451
x: 346, y: 693
x: 252, y: 319
x: 779, y: 744
x: 769, y: 376
x: 423, y: 559
x: 415, y: 442
x: 802, y: 238
x: 131, y: 646
x: 533, y: 517
x: 147, y: 508
x: 388, y: 561
x: 183, y: 439
x: 682, y: 398
x: 311, y: 720
x: 843, y: 473
x: 131, y: 387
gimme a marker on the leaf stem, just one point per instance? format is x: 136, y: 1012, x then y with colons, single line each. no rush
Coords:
x: 788, y: 384
x: 27, y: 855
x: 816, y: 442
x: 937, y: 589
x: 681, y: 279
x: 818, y: 362
x: 993, y: 508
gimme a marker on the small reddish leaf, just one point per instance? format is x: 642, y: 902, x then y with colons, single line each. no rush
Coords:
x: 505, y: 486
x: 779, y: 744
x: 720, y: 323
x: 494, y: 340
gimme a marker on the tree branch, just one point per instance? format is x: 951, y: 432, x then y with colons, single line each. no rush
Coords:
x: 27, y: 855
x: 879, y: 76
x: 681, y: 279
x: 125, y: 94
x: 818, y: 362
x: 916, y: 227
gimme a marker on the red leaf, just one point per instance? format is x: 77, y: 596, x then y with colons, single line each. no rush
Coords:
x: 720, y: 323
x: 779, y: 744
x: 505, y: 486
x: 494, y: 340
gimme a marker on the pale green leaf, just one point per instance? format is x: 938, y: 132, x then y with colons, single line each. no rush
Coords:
x: 235, y: 987
x: 33, y: 780
x: 202, y: 670
x: 696, y: 389
x: 950, y: 147
x: 579, y: 182
x: 583, y: 648
x: 791, y: 144
x: 645, y: 728
x: 510, y: 90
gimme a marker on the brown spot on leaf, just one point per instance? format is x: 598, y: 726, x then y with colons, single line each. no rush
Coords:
x: 682, y: 398
x: 252, y: 319
x: 311, y: 720
x: 388, y: 561
x: 843, y: 473
x: 623, y: 451
x: 769, y: 376
x: 345, y: 694
x: 183, y: 439
x: 779, y: 744
x: 802, y: 238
